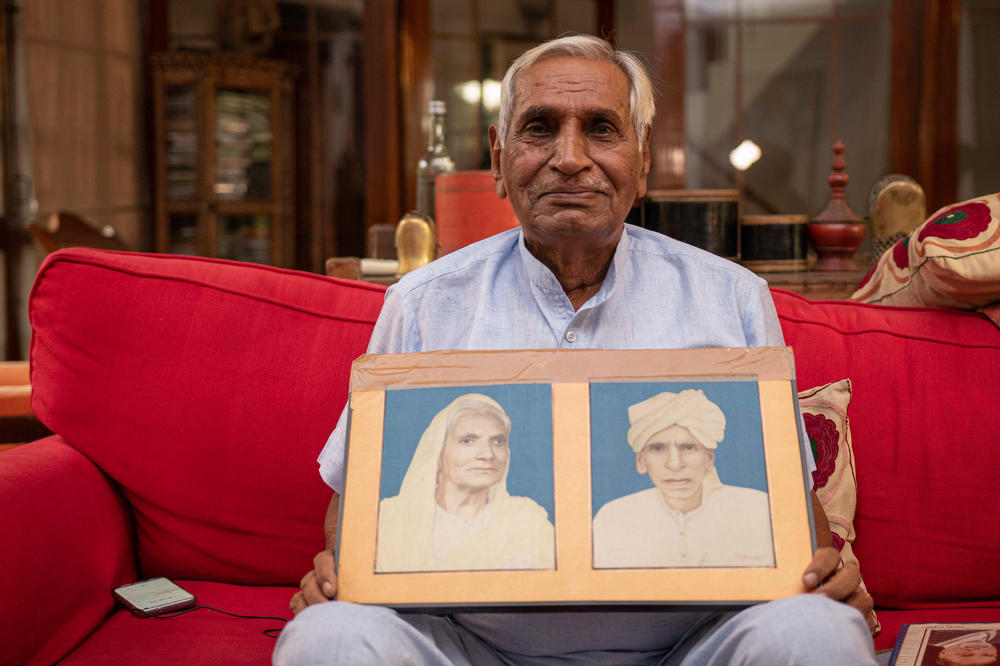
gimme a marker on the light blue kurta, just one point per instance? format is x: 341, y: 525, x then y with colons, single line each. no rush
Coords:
x: 659, y: 293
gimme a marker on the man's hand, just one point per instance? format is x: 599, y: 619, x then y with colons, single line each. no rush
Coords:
x: 318, y: 585
x: 830, y: 576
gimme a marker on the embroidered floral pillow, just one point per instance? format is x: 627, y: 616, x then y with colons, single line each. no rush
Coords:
x: 824, y: 410
x: 951, y: 260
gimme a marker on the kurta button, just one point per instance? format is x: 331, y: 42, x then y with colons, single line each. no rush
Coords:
x: 570, y: 336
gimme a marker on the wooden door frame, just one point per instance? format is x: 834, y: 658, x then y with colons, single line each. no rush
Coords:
x: 923, y: 113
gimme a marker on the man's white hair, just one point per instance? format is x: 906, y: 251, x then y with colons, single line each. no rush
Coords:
x: 641, y: 105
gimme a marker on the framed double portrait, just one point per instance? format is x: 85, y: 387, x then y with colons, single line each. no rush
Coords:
x: 574, y: 478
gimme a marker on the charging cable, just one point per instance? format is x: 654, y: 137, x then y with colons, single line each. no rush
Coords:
x: 270, y: 633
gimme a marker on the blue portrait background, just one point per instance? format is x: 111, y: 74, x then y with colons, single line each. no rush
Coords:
x: 408, y: 412
x: 739, y: 458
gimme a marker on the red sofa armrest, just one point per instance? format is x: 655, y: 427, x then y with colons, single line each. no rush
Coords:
x: 66, y: 539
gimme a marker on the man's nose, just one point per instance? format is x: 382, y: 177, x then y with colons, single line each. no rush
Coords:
x: 570, y: 153
x: 674, y: 460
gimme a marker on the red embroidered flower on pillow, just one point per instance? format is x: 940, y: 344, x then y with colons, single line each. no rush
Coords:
x: 960, y: 222
x: 823, y: 438
x: 901, y: 253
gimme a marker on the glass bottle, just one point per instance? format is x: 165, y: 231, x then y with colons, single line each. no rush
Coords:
x: 436, y: 160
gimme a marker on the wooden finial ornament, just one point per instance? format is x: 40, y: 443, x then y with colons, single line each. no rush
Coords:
x: 837, y: 232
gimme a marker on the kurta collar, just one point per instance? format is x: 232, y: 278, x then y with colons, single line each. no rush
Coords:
x: 549, y: 293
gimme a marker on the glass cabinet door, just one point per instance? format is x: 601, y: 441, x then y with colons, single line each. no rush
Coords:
x: 245, y: 238
x: 243, y: 145
x: 182, y: 234
x: 181, y: 137
x: 223, y: 162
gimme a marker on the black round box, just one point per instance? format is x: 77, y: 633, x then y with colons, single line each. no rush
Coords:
x: 774, y: 242
x: 708, y: 219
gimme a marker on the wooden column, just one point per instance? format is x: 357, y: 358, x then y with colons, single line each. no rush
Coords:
x: 606, y: 20
x: 416, y: 83
x: 382, y: 133
x: 19, y: 187
x: 939, y: 103
x: 667, y: 143
x: 924, y: 96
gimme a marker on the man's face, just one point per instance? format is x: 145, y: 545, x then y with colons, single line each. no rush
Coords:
x: 979, y: 653
x: 676, y: 464
x: 475, y: 453
x: 571, y: 163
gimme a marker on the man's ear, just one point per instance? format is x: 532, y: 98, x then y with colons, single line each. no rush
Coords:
x: 644, y: 172
x: 711, y: 457
x: 640, y: 464
x: 495, y: 163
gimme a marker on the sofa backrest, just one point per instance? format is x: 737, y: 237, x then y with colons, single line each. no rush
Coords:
x: 206, y: 389
x: 923, y: 416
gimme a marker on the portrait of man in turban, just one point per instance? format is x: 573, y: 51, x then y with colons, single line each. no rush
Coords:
x: 689, y: 517
x: 962, y: 648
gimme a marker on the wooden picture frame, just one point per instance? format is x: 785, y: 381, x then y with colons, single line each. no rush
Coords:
x: 568, y: 410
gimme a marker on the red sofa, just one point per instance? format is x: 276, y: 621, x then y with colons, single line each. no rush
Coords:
x: 190, y: 397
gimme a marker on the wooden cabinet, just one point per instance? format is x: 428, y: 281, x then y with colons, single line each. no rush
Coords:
x: 223, y: 157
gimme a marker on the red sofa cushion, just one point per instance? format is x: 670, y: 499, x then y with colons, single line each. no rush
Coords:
x: 198, y: 637
x: 206, y: 388
x: 67, y: 543
x: 925, y: 385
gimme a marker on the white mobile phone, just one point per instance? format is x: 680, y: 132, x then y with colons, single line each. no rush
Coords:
x: 154, y: 596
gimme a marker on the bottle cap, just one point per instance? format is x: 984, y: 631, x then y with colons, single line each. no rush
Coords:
x: 436, y: 106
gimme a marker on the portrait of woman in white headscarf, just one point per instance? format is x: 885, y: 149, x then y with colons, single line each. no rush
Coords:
x: 689, y: 517
x: 453, y: 511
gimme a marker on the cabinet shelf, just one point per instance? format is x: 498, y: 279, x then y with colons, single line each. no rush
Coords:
x: 223, y: 155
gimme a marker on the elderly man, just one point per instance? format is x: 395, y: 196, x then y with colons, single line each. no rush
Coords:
x: 689, y: 518
x: 571, y: 151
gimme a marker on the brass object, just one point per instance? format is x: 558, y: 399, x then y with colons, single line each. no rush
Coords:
x: 897, y: 206
x: 416, y: 242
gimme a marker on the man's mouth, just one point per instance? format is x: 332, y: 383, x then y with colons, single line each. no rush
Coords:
x: 573, y: 191
x: 577, y: 191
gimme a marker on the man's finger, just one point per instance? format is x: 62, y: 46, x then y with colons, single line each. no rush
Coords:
x: 297, y: 603
x: 311, y: 590
x: 305, y: 579
x: 863, y: 601
x: 824, y: 563
x: 843, y: 584
x: 325, y: 574
x: 860, y: 600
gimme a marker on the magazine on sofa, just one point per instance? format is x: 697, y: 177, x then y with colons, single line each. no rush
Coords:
x: 930, y: 644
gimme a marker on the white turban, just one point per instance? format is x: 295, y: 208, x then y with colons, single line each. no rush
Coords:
x: 689, y: 409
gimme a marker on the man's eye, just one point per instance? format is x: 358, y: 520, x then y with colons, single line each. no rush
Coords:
x: 687, y: 447
x: 536, y: 128
x: 466, y: 440
x: 604, y: 129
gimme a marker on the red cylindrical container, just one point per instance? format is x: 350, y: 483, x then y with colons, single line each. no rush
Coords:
x: 468, y: 209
